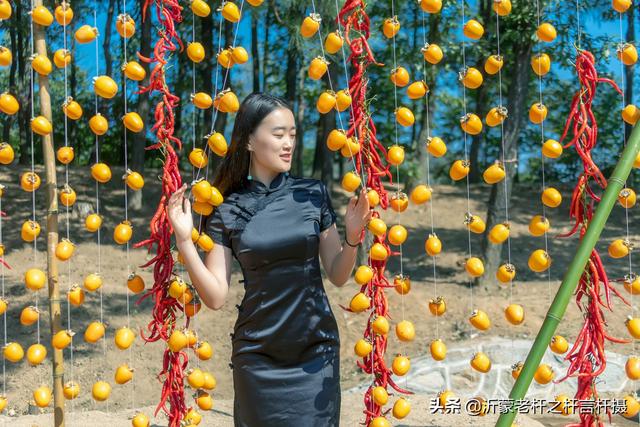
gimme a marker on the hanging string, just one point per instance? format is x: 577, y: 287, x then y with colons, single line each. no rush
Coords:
x: 353, y: 161
x: 347, y: 79
x: 193, y: 91
x: 126, y: 192
x: 97, y: 150
x: 195, y: 175
x: 631, y: 275
x: 224, y: 81
x: 544, y: 181
x: 398, y: 216
x: 4, y: 315
x: 351, y: 114
x: 66, y: 178
x: 193, y: 169
x: 504, y: 165
x: 579, y: 35
x: 33, y: 193
x: 428, y: 125
x: 466, y: 156
x: 355, y: 132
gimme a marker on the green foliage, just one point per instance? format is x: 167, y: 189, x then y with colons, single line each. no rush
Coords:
x: 446, y: 103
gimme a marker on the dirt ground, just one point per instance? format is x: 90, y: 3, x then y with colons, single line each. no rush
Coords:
x: 92, y: 362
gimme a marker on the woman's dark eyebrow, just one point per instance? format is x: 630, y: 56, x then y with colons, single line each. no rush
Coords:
x: 282, y: 128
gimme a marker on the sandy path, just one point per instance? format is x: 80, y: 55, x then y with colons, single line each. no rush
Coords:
x: 94, y: 362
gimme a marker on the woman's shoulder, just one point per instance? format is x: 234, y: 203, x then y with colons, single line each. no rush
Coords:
x: 232, y: 197
x: 228, y: 204
x: 307, y: 182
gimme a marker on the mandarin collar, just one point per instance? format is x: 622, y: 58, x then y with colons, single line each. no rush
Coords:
x: 278, y: 182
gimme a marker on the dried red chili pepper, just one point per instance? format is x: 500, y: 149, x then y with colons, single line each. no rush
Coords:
x: 164, y: 313
x: 370, y: 161
x: 587, y: 355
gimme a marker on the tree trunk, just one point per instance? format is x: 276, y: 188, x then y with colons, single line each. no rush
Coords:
x: 107, y: 38
x: 8, y: 121
x: 477, y: 141
x: 323, y: 157
x: 265, y: 53
x: 73, y: 76
x: 183, y: 69
x: 480, y: 107
x: 291, y: 95
x: 425, y: 128
x: 501, y: 196
x: 208, y: 66
x: 73, y: 86
x: 221, y: 118
x: 300, y: 108
x: 291, y: 73
x: 24, y: 97
x: 255, y: 54
x: 139, y: 141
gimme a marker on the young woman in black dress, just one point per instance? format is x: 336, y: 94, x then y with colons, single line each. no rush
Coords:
x: 285, y: 345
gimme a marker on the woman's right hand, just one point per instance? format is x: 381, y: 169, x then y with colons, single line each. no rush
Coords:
x: 179, y: 213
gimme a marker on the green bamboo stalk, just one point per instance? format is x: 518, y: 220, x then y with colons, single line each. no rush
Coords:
x: 572, y: 276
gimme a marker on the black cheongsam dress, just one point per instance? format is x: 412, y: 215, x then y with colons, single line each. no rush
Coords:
x: 285, y: 345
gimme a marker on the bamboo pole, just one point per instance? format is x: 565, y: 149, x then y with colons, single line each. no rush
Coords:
x: 571, y: 277
x: 52, y: 227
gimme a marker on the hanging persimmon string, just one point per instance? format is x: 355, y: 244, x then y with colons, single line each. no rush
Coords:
x: 355, y: 21
x: 627, y: 199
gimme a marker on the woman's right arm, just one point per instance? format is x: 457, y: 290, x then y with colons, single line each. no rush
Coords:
x: 211, y: 278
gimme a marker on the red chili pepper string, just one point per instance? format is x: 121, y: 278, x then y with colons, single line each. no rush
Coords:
x: 370, y: 161
x: 587, y: 355
x: 166, y: 309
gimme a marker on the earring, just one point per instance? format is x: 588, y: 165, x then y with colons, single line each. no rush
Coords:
x: 249, y: 177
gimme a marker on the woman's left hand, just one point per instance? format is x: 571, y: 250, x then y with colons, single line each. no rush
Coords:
x: 357, y: 216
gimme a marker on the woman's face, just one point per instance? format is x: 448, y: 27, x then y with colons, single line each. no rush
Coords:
x: 273, y: 141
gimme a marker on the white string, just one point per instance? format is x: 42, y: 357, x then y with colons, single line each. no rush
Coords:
x: 66, y: 174
x: 398, y: 214
x: 193, y: 174
x: 626, y: 210
x: 33, y: 193
x: 504, y: 165
x: 97, y: 150
x: 352, y: 116
x: 428, y: 124
x: 193, y: 91
x: 578, y: 22
x: 353, y: 161
x: 544, y: 180
x: 466, y: 157
x: 4, y: 315
x: 126, y: 19
x: 543, y: 172
x: 224, y: 82
x: 347, y: 80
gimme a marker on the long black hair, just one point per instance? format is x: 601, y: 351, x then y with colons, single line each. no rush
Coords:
x: 231, y: 173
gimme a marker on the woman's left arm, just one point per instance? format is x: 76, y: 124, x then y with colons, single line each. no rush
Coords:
x: 338, y: 259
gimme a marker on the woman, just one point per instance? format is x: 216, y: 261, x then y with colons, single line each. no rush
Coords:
x: 285, y: 345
